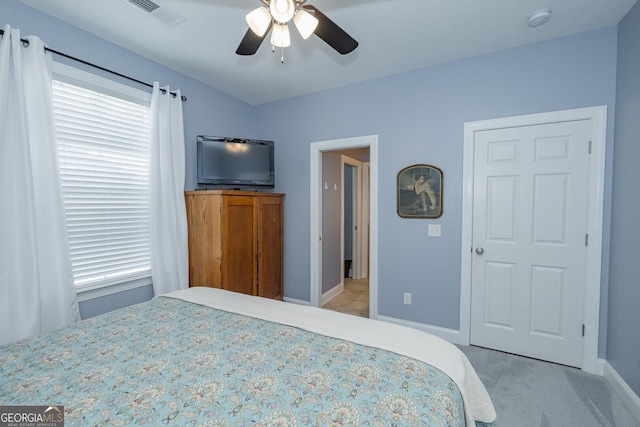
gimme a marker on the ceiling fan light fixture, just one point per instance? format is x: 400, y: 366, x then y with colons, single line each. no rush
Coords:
x: 259, y: 20
x: 282, y: 10
x: 305, y: 22
x: 280, y: 36
x: 274, y: 16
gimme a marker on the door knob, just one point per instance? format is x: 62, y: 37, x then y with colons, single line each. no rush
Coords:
x: 479, y: 251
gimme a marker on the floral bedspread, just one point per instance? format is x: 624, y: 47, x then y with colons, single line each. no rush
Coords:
x: 168, y: 361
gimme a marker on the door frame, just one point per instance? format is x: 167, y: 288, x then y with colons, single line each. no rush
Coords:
x: 315, y: 217
x: 364, y: 222
x: 356, y: 214
x: 598, y: 118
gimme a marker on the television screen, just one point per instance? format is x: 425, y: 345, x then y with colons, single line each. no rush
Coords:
x: 233, y: 162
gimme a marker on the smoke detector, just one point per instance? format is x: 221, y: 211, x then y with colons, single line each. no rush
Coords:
x: 539, y: 17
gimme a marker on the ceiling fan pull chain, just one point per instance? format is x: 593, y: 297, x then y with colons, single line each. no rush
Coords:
x: 282, y: 55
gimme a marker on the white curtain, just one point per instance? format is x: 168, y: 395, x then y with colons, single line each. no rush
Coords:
x: 169, y: 252
x: 37, y: 292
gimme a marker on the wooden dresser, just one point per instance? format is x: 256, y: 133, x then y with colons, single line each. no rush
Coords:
x: 235, y: 241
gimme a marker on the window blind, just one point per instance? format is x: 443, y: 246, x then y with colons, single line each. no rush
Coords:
x: 103, y: 151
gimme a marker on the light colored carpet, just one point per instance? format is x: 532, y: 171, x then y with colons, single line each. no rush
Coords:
x: 532, y: 393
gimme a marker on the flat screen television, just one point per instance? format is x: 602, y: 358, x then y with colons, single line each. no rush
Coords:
x: 225, y: 162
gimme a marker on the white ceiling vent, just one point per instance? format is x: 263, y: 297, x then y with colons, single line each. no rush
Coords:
x: 146, y: 5
x: 162, y: 14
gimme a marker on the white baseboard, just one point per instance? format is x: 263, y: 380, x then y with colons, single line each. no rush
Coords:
x: 332, y: 293
x: 622, y: 389
x: 598, y: 367
x: 296, y: 301
x: 451, y: 335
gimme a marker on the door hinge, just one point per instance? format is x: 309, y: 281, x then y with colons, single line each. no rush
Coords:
x: 583, y: 329
x: 586, y: 239
x: 590, y: 142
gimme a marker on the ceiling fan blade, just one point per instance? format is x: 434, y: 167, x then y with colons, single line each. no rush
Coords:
x: 331, y: 33
x: 251, y: 42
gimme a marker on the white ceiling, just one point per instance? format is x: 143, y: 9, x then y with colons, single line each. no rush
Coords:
x: 394, y: 36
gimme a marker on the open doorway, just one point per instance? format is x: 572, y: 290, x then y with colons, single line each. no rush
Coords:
x: 345, y: 284
x: 327, y: 260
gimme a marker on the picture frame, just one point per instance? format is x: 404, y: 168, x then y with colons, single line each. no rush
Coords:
x: 419, y: 189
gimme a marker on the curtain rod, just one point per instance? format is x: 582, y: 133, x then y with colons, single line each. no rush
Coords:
x: 82, y: 61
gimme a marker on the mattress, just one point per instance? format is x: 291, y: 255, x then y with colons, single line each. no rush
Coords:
x: 210, y: 357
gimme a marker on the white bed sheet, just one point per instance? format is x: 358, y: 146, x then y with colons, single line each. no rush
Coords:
x: 387, y: 336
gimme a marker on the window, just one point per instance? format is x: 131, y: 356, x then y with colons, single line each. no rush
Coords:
x: 103, y: 136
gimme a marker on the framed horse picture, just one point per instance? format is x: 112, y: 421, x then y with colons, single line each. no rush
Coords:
x: 420, y: 192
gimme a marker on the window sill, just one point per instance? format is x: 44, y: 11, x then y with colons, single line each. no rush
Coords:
x: 89, y: 292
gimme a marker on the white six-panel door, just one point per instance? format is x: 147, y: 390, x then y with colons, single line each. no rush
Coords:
x: 529, y: 230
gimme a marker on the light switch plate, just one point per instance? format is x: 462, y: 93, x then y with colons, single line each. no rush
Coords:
x: 435, y: 230
x: 407, y: 298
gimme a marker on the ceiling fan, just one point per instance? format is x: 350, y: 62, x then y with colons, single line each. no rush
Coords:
x: 275, y: 15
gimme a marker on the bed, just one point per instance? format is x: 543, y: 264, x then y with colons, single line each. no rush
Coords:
x: 208, y: 357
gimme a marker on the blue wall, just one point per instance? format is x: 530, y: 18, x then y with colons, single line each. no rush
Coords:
x: 104, y: 304
x: 207, y: 111
x: 623, y: 345
x: 419, y: 118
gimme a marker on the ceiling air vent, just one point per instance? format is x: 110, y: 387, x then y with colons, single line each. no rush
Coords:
x: 162, y: 14
x: 146, y: 5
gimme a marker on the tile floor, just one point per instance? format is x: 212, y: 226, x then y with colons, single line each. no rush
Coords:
x: 354, y: 299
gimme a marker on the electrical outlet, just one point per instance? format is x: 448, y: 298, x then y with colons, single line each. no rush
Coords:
x: 435, y: 230
x: 407, y: 298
